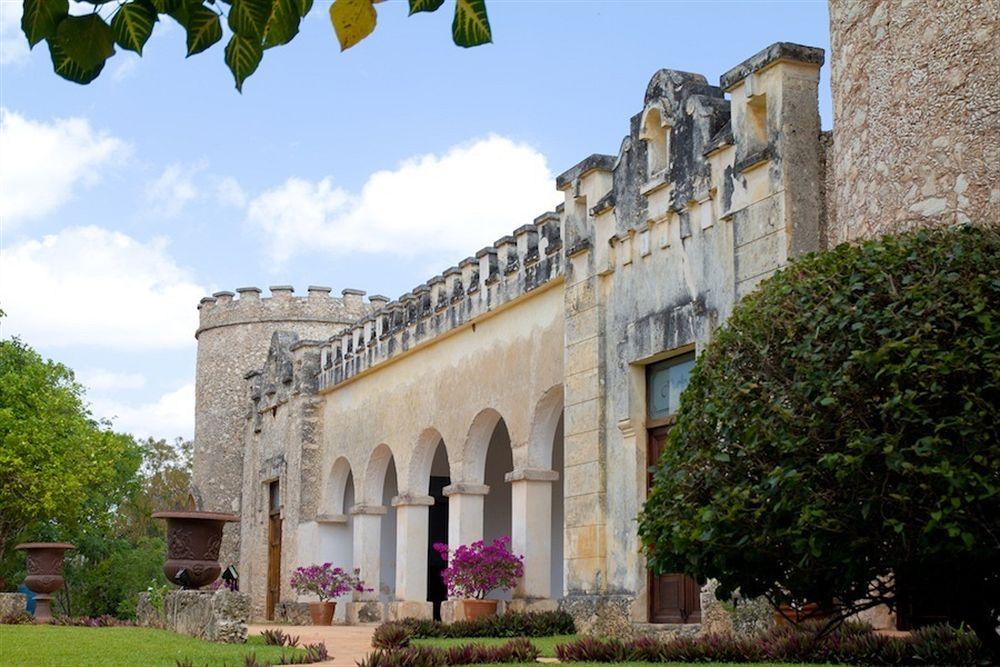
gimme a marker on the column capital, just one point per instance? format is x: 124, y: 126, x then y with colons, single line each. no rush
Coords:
x: 411, y: 500
x: 466, y: 489
x: 371, y: 510
x: 531, y: 475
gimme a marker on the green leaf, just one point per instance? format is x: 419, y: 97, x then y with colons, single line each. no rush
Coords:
x: 203, y: 27
x: 471, y: 26
x: 424, y: 6
x: 304, y: 6
x: 67, y: 68
x: 243, y: 56
x: 41, y: 17
x: 86, y: 40
x: 133, y: 24
x: 166, y: 6
x: 353, y: 20
x: 283, y: 23
x: 248, y: 18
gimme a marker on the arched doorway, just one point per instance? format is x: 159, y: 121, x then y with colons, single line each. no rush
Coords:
x: 497, y: 503
x: 437, y: 527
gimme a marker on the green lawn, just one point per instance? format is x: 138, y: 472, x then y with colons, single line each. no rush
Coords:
x: 49, y: 646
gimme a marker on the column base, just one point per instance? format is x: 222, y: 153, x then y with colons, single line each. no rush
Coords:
x: 365, y: 611
x: 401, y: 609
x: 532, y: 604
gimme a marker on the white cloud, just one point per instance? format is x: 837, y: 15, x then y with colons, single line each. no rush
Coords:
x: 93, y: 286
x: 454, y: 203
x: 125, y: 67
x: 229, y: 192
x: 169, y: 416
x: 43, y: 163
x: 101, y: 379
x: 174, y: 189
x: 13, y: 44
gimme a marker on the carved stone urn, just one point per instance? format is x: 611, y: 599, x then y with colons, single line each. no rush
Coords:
x: 193, y: 541
x: 45, y: 567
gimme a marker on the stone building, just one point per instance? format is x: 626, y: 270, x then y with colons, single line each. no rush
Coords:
x: 525, y: 390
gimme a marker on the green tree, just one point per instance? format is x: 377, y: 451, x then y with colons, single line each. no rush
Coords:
x: 59, y: 468
x: 837, y: 442
x: 81, y: 45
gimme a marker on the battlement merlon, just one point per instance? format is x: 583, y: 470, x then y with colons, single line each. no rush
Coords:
x: 247, y: 306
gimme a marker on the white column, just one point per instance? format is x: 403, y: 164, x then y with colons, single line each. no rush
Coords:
x: 465, y: 513
x: 367, y: 546
x: 411, y: 546
x: 531, y: 528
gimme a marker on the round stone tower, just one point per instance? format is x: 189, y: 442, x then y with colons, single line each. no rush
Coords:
x: 233, y: 338
x: 916, y: 115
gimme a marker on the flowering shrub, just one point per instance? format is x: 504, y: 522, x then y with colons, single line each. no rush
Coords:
x: 478, y: 568
x: 326, y: 582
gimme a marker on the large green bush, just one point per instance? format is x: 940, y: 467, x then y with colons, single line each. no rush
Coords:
x: 842, y: 429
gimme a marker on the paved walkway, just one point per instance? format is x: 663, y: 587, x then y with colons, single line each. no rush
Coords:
x: 346, y: 643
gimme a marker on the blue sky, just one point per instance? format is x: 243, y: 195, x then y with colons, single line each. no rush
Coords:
x: 124, y: 201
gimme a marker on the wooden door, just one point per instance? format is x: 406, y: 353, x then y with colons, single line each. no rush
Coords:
x: 273, y: 551
x: 673, y: 598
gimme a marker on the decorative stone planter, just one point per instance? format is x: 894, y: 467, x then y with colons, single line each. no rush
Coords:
x: 479, y: 609
x: 45, y: 567
x: 193, y: 541
x: 321, y: 613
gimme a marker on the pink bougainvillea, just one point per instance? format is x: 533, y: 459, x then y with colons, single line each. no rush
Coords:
x: 326, y: 582
x: 478, y: 568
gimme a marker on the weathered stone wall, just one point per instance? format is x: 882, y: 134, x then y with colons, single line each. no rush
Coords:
x: 233, y: 338
x: 12, y: 603
x: 215, y: 616
x: 916, y: 114
x: 660, y: 249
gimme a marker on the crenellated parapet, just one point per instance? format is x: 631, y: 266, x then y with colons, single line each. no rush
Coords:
x: 695, y: 157
x: 247, y: 305
x: 512, y: 267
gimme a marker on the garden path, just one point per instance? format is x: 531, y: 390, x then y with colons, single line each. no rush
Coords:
x: 346, y: 643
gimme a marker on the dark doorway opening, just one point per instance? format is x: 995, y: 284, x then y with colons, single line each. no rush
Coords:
x: 437, y: 528
x: 273, y: 548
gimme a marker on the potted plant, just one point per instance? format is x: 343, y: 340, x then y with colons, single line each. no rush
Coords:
x: 474, y: 570
x: 326, y: 583
x: 193, y: 542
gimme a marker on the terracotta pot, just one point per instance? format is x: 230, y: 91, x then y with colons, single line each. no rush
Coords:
x: 479, y: 609
x: 786, y: 614
x: 45, y: 566
x: 322, y: 612
x: 193, y: 541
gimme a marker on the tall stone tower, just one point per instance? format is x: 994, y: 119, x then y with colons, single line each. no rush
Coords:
x: 233, y: 338
x: 916, y: 115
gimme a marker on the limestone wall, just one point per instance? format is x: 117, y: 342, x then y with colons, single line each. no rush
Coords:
x: 660, y: 249
x: 916, y: 113
x: 233, y: 338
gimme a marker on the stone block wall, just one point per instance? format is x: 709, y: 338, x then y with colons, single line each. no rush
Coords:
x: 916, y: 114
x: 215, y: 616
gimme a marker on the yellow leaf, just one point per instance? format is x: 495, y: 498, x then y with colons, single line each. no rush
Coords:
x: 353, y: 20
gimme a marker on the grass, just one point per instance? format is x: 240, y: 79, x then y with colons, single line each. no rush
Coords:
x: 49, y: 646
x: 547, y: 645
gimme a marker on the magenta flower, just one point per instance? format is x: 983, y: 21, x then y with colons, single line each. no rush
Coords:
x: 478, y: 568
x: 326, y: 582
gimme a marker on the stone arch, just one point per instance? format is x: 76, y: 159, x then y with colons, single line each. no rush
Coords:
x: 655, y: 131
x: 375, y: 474
x: 548, y: 413
x: 418, y: 471
x: 336, y: 486
x: 477, y: 443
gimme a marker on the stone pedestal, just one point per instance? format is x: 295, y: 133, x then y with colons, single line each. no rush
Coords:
x: 13, y: 603
x: 215, y: 616
x: 401, y: 609
x: 365, y: 611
